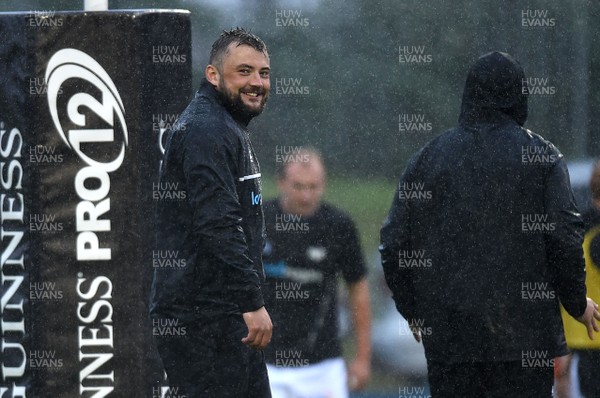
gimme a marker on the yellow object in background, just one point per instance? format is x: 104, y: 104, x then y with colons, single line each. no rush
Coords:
x: 575, y: 332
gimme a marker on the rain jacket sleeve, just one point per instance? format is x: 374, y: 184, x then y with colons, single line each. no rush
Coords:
x: 210, y: 171
x: 563, y: 245
x: 395, y: 238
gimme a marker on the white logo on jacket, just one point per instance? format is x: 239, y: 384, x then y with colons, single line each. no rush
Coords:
x: 316, y: 253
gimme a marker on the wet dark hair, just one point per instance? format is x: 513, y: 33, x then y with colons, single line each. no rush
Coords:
x: 239, y: 36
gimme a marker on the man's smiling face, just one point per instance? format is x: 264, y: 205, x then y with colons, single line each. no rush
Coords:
x: 244, y: 79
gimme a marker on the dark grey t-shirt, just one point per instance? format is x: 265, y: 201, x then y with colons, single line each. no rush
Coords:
x: 303, y: 257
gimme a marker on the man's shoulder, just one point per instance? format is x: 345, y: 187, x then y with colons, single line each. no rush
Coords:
x: 204, y: 111
x: 538, y: 139
x: 514, y: 134
x: 327, y: 212
x: 334, y: 214
x: 441, y: 143
x: 204, y: 118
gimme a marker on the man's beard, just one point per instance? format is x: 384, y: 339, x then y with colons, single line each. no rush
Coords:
x: 234, y: 104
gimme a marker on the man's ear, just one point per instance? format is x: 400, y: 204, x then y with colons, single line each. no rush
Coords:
x: 212, y: 75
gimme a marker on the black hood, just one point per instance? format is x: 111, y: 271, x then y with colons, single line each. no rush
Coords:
x: 494, y: 88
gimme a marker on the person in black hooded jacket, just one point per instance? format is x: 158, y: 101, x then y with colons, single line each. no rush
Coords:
x: 482, y: 241
x: 208, y: 312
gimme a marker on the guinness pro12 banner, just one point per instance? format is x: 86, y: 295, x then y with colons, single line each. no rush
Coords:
x: 84, y: 101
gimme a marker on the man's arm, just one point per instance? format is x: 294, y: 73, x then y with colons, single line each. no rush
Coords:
x: 210, y: 177
x: 360, y: 368
x: 209, y: 166
x: 395, y: 237
x: 564, y: 244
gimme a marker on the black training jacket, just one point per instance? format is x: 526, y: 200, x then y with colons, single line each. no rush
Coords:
x: 213, y: 220
x: 483, y: 237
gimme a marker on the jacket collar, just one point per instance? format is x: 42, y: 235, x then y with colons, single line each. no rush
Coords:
x: 209, y: 91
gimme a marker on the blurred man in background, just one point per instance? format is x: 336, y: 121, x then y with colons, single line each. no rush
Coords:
x: 309, y: 243
x: 489, y: 206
